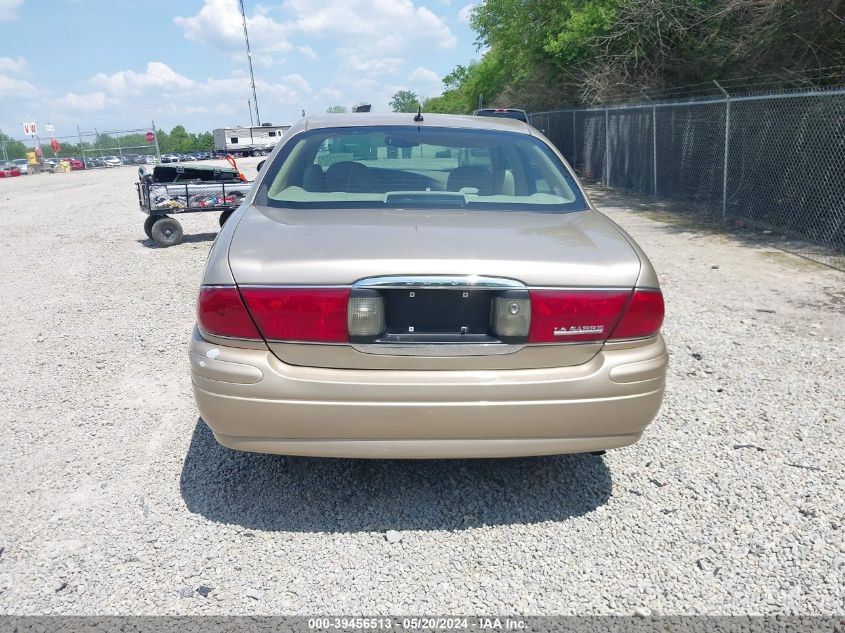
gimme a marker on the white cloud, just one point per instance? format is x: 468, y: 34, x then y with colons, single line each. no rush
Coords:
x: 466, y: 13
x: 383, y: 22
x: 163, y: 93
x: 8, y: 9
x: 297, y: 82
x: 90, y: 101
x: 424, y: 75
x: 284, y: 90
x: 307, y: 51
x: 12, y: 87
x: 219, y: 24
x: 367, y: 40
x: 329, y: 94
x: 425, y: 82
x: 372, y: 37
x: 371, y: 65
x: 12, y: 65
x: 158, y: 76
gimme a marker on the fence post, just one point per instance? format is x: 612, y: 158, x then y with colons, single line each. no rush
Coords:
x: 155, y: 135
x: 727, y: 147
x: 607, y: 147
x: 654, y: 148
x: 574, y: 141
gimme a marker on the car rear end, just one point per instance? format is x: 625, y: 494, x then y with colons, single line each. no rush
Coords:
x: 420, y: 327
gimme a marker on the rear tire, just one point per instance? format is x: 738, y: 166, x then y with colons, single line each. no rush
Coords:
x: 148, y: 224
x: 166, y: 232
x: 225, y: 216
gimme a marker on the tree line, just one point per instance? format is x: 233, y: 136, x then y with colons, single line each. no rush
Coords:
x: 178, y: 140
x: 541, y: 54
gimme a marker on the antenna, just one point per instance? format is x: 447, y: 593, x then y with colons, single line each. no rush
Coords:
x: 418, y: 116
x: 251, y: 76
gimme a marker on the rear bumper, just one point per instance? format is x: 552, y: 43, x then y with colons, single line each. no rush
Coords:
x: 254, y: 402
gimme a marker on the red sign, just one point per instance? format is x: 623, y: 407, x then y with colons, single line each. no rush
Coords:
x: 55, y: 145
x: 151, y: 138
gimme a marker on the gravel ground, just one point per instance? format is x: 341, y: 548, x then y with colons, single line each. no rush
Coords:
x: 118, y: 501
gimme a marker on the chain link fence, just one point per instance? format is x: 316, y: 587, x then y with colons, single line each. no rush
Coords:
x: 773, y: 161
x: 91, y: 147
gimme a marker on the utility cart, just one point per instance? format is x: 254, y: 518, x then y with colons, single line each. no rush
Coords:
x: 173, y: 189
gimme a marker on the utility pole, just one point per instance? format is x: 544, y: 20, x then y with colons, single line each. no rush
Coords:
x: 249, y: 106
x: 251, y: 75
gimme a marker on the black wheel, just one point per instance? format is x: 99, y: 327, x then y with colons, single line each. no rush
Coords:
x: 148, y: 224
x: 166, y: 232
x: 225, y: 216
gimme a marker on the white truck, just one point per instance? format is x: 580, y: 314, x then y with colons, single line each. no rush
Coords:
x: 248, y: 141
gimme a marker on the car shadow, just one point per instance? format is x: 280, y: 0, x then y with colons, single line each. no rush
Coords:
x: 187, y: 239
x: 301, y: 494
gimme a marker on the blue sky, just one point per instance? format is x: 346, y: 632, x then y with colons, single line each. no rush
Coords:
x: 117, y: 64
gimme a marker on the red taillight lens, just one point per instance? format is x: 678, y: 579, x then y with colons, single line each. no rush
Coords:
x: 570, y: 316
x: 643, y: 317
x: 315, y: 315
x: 221, y: 312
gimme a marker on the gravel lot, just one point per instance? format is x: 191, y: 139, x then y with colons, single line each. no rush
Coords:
x: 118, y: 501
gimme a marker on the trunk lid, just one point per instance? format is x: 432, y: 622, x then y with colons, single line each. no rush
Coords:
x: 326, y: 247
x: 340, y: 247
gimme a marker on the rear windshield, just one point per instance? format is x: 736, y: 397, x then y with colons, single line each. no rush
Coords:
x: 428, y: 167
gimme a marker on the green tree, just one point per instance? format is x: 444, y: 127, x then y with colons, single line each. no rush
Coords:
x: 546, y: 53
x: 405, y: 101
x: 180, y: 139
x: 336, y: 109
x: 14, y: 149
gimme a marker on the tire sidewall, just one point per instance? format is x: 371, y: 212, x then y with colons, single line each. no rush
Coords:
x: 166, y: 232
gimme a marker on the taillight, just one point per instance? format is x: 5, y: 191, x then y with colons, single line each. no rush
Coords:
x: 315, y: 315
x: 643, y: 317
x: 570, y: 316
x: 221, y: 312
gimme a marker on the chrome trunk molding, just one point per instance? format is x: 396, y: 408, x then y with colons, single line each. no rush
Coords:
x: 457, y: 282
x: 436, y: 349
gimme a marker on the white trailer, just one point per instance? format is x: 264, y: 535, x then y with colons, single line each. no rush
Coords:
x: 248, y: 141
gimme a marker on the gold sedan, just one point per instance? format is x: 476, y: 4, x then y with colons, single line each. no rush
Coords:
x: 424, y: 286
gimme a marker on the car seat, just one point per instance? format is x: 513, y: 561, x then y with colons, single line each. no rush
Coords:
x: 472, y: 176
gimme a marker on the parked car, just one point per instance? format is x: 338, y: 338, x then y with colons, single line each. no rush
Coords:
x: 8, y: 170
x: 150, y: 160
x: 112, y: 161
x: 94, y: 162
x: 170, y: 158
x: 75, y: 164
x: 372, y: 307
x: 22, y: 164
x: 503, y: 113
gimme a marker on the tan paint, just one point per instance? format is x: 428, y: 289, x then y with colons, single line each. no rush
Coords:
x: 556, y: 408
x: 336, y: 401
